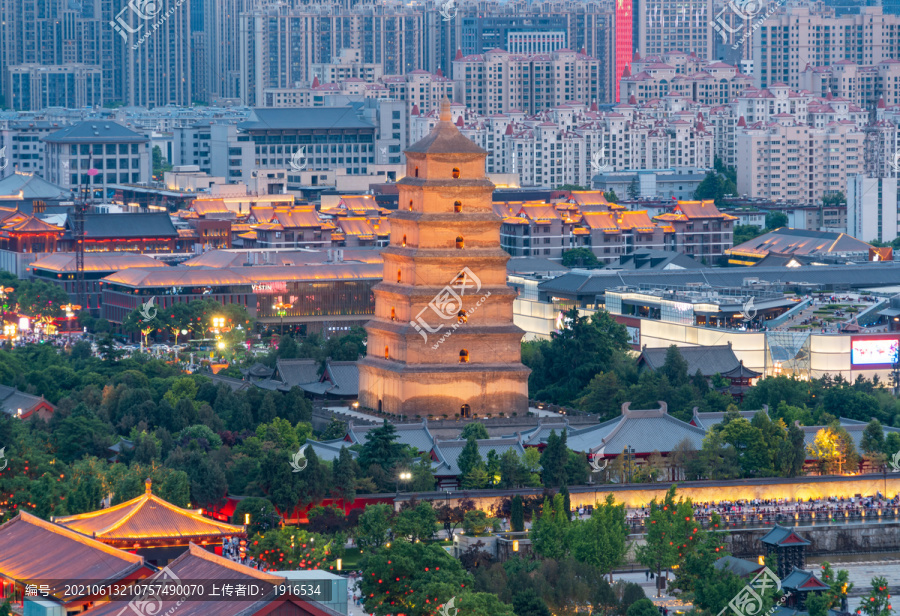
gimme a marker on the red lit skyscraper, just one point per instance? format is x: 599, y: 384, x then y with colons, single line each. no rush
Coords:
x: 624, y: 47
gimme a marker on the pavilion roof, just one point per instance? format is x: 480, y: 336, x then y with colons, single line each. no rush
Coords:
x: 147, y: 517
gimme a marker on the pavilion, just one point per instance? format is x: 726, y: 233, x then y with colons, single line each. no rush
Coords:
x: 151, y: 527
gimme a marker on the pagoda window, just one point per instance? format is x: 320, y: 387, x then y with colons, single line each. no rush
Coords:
x: 410, y: 205
x: 457, y: 207
x: 462, y: 316
x: 417, y: 172
x: 403, y: 243
x: 455, y: 173
x: 460, y: 243
x: 393, y: 315
x: 387, y: 354
x: 464, y: 357
x: 398, y: 276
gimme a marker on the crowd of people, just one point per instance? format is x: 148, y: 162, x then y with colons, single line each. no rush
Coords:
x: 778, y: 509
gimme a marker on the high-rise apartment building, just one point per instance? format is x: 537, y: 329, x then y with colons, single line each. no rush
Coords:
x: 279, y: 44
x: 788, y: 160
x: 683, y: 25
x: 499, y: 82
x: 872, y: 208
x: 811, y: 35
x: 624, y: 41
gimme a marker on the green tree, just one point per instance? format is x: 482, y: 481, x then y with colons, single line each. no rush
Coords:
x: 878, y: 601
x: 554, y: 459
x: 380, y: 448
x: 611, y: 196
x: 476, y: 429
x: 601, y: 540
x: 634, y: 189
x: 483, y: 604
x: 873, y: 438
x: 516, y: 514
x: 642, y: 607
x: 603, y: 396
x: 415, y: 523
x: 263, y: 515
x: 581, y: 257
x: 550, y: 533
x: 563, y: 366
x: 671, y: 533
x: 745, y: 233
x: 675, y: 367
x: 470, y: 463
x: 776, y: 220
x: 410, y: 578
x: 42, y: 301
x: 344, y: 477
x: 371, y: 532
x: 834, y: 198
x: 528, y: 603
x: 715, y: 187
x: 160, y: 164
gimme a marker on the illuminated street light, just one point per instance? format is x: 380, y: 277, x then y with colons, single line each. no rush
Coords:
x: 281, y: 309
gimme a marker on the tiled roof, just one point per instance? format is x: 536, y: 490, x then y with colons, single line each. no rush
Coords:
x: 708, y: 420
x: 199, y: 564
x: 102, y: 226
x: 802, y: 581
x: 446, y: 453
x: 783, y: 536
x: 11, y: 400
x: 147, y: 517
x: 32, y: 187
x: 644, y: 430
x: 710, y: 360
x: 34, y: 549
x: 198, y: 276
x: 293, y: 372
x: 345, y: 377
x: 800, y: 242
x: 306, y: 117
x: 416, y: 435
x: 329, y: 451
x: 96, y: 131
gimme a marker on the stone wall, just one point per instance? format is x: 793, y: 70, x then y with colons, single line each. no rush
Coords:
x: 825, y: 539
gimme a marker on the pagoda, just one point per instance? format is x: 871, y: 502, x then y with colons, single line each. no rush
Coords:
x: 151, y: 527
x: 442, y: 340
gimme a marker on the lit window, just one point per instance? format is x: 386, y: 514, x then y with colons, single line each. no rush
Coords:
x: 393, y: 315
x: 455, y: 173
x: 457, y: 207
x: 463, y: 356
x: 398, y: 275
x: 417, y: 172
x: 403, y: 243
x: 387, y: 355
x: 462, y: 316
x: 459, y: 242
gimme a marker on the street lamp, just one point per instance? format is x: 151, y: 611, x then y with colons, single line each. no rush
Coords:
x: 404, y: 476
x: 281, y: 309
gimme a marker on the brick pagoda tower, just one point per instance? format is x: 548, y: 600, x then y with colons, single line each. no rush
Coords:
x: 442, y: 341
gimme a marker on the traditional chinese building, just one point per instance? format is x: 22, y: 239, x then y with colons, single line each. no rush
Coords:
x: 443, y: 340
x: 222, y: 580
x: 39, y: 552
x: 151, y: 527
x: 788, y: 546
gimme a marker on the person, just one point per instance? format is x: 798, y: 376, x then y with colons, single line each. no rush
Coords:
x: 647, y: 575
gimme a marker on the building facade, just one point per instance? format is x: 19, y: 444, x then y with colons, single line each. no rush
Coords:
x: 872, y: 208
x: 443, y: 341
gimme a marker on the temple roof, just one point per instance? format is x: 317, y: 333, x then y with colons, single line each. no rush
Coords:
x: 198, y: 564
x: 34, y: 549
x: 783, y: 537
x: 147, y: 517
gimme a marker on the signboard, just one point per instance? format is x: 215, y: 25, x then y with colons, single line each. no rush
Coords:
x: 873, y: 352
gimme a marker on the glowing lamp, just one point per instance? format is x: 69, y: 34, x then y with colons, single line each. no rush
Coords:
x: 761, y: 560
x: 339, y: 562
x: 515, y: 545
x: 246, y: 519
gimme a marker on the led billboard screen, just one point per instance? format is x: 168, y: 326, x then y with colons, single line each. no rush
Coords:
x: 871, y: 352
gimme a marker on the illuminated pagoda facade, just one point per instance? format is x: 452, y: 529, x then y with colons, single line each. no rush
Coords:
x: 150, y: 526
x: 442, y: 341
